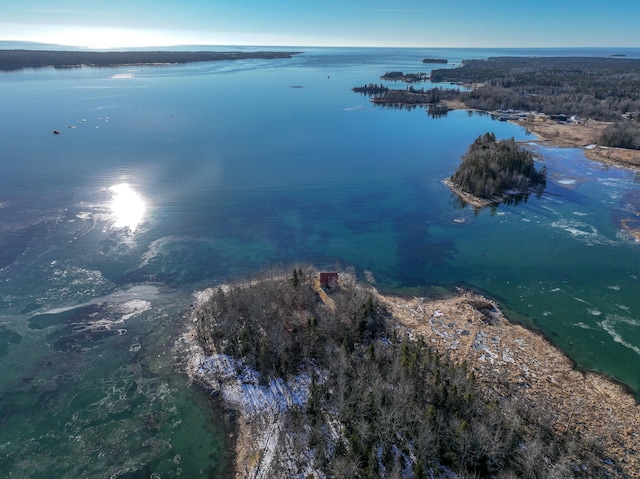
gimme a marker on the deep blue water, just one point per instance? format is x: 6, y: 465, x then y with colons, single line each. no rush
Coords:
x: 231, y: 167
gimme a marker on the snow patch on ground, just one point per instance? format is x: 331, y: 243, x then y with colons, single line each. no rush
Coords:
x: 240, y: 386
x: 261, y: 406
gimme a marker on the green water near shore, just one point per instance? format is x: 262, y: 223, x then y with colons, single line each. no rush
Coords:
x: 103, y: 401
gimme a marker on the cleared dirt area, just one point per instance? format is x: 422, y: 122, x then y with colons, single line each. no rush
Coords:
x: 583, y: 135
x: 572, y: 135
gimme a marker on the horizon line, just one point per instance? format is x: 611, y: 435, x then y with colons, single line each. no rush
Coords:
x: 247, y: 45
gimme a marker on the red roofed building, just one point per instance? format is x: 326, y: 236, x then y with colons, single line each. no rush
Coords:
x: 328, y: 279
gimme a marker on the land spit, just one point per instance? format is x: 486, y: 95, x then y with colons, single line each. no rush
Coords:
x: 519, y: 364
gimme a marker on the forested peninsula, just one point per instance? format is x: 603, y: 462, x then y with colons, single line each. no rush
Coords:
x: 331, y: 379
x: 603, y: 89
x: 567, y: 101
x: 574, y: 89
x: 20, y: 59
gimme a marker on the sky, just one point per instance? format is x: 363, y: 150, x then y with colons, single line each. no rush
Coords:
x: 383, y: 23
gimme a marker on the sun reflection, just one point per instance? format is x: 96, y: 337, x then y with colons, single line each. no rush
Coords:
x: 127, y: 206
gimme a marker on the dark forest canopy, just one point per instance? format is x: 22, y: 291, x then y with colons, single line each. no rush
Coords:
x: 382, y: 95
x: 591, y: 87
x: 19, y: 59
x: 493, y: 169
x: 371, y: 89
x: 381, y: 403
x: 405, y: 77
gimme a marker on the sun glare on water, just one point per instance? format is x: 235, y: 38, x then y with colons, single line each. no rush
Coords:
x: 127, y: 206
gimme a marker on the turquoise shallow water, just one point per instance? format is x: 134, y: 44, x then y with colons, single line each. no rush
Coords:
x: 228, y: 169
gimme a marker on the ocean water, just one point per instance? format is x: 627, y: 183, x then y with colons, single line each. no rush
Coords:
x: 165, y: 180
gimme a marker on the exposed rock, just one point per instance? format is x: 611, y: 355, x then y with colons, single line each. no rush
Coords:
x: 503, y: 355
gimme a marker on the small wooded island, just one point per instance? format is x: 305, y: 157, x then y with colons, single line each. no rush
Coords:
x: 335, y: 380
x: 20, y: 59
x: 405, y: 77
x: 408, y: 98
x: 493, y: 171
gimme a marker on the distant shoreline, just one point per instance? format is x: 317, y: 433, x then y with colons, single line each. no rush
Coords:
x: 12, y: 60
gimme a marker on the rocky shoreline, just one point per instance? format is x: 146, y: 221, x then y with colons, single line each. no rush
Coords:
x: 468, y: 198
x: 506, y: 357
x: 517, y: 363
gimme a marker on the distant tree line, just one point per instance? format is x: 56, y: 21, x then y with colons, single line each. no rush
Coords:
x: 381, y: 404
x: 392, y: 76
x: 18, y: 59
x: 406, y: 77
x: 412, y: 96
x: 371, y: 89
x: 598, y: 88
x: 491, y: 169
x: 435, y: 60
